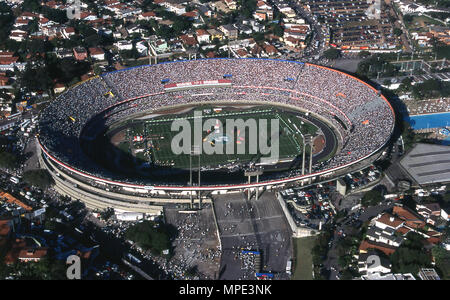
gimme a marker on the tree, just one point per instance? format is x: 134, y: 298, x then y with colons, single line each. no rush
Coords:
x: 371, y: 66
x: 408, y: 135
x: 56, y: 15
x: 320, y: 249
x: 364, y: 54
x: 371, y: 198
x: 6, y: 21
x: 165, y: 32
x: 45, y: 269
x: 277, y: 30
x: 97, y: 70
x: 431, y: 88
x: 406, y: 84
x: 407, y: 18
x: 247, y: 8
x: 332, y: 53
x: 181, y: 24
x: 411, y: 255
x: 442, y: 259
x: 66, y: 69
x: 409, y: 202
x: 398, y: 31
x: 40, y: 178
x: 8, y: 160
x: 35, y: 77
x: 344, y: 261
x: 33, y: 25
x: 31, y: 5
x: 441, y: 50
x: 152, y: 236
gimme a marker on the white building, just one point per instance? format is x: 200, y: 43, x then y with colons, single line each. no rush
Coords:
x: 445, y: 213
x: 124, y: 45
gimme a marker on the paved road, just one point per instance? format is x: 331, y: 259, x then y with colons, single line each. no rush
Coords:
x: 316, y: 30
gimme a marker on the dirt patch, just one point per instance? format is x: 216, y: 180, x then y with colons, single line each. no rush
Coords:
x: 118, y: 138
x: 318, y: 144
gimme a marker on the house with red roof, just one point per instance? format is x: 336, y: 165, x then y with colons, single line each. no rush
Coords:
x: 202, y: 36
x: 30, y: 254
x: 97, y: 53
x: 149, y: 15
x: 369, y: 245
x: 80, y: 53
x: 68, y: 32
x: 188, y: 40
x: 386, y: 220
x: 410, y: 218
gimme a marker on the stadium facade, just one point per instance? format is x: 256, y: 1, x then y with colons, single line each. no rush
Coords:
x: 360, y: 117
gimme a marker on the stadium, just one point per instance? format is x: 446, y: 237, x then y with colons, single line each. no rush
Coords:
x: 106, y: 140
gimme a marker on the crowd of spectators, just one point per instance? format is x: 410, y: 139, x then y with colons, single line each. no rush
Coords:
x: 361, y: 118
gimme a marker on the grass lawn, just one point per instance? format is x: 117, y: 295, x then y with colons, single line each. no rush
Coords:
x: 290, y: 142
x: 303, y: 259
x: 420, y: 23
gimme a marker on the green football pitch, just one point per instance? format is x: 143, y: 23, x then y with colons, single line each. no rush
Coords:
x: 157, y: 136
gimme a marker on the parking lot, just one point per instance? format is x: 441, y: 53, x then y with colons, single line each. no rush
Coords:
x: 311, y: 206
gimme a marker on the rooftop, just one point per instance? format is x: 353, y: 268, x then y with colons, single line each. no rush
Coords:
x: 428, y: 163
x: 389, y: 220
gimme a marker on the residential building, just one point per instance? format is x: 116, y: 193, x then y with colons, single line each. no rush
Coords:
x: 188, y: 40
x: 445, y: 212
x: 32, y: 254
x: 232, y: 5
x: 386, y: 236
x: 387, y: 220
x: 59, y: 88
x: 97, y: 53
x: 124, y: 45
x: 410, y: 218
x: 429, y: 211
x: 369, y: 245
x: 80, y: 53
x: 378, y: 276
x: 202, y: 36
x: 230, y: 31
x: 428, y: 274
x: 150, y: 15
x: 215, y: 34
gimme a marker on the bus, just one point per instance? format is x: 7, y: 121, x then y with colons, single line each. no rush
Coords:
x: 289, y: 267
x: 14, y: 180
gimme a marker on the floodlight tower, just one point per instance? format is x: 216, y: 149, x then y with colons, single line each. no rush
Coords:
x: 196, y: 151
x: 307, y: 141
x: 190, y: 178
